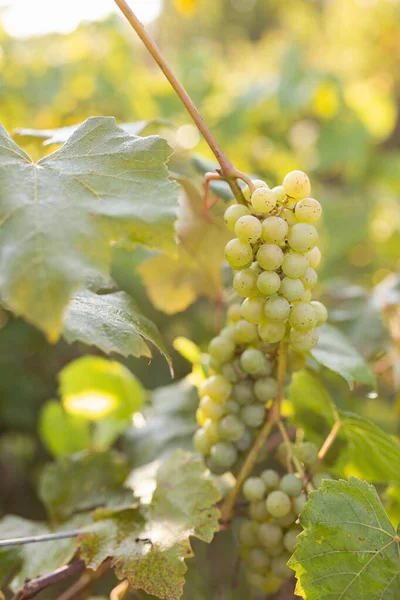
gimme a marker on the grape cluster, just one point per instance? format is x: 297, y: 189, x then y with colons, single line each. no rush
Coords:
x: 275, y: 255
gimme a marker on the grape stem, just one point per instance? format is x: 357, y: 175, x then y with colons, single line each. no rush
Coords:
x: 227, y: 170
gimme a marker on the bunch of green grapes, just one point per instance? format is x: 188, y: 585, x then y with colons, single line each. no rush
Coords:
x: 233, y: 398
x: 268, y: 537
x: 274, y: 256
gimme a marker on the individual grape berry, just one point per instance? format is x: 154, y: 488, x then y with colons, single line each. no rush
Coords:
x: 306, y: 297
x: 270, y: 534
x: 248, y: 534
x: 215, y: 467
x: 295, y: 265
x: 253, y: 415
x: 265, y: 388
x: 233, y: 313
x: 271, y: 584
x: 245, y: 283
x: 274, y: 230
x: 238, y: 254
x: 277, y: 309
x: 245, y: 332
x: 268, y: 282
x: 245, y: 442
x: 248, y: 229
x: 318, y: 479
x: 252, y: 361
x: 254, y: 579
x: 289, y: 217
x: 302, y: 237
x: 321, y: 313
x: 271, y: 332
x: 290, y: 539
x: 201, y: 442
x: 291, y: 289
x: 256, y: 267
x: 253, y: 310
x: 303, y: 341
x: 308, y: 210
x: 279, y: 566
x: 299, y: 503
x: 278, y: 504
x: 291, y: 484
x: 258, y: 560
x: 263, y: 200
x: 221, y: 348
x: 201, y: 416
x: 309, y: 279
x: 211, y: 429
x: 270, y: 478
x: 232, y: 407
x: 257, y: 184
x: 279, y: 193
x: 307, y: 452
x: 296, y: 184
x: 211, y: 409
x: 243, y: 392
x: 232, y: 372
x: 254, y: 489
x: 270, y: 257
x: 302, y: 317
x: 217, y: 387
x: 287, y: 520
x: 224, y: 454
x: 233, y: 213
x: 314, y: 257
x: 258, y: 511
x: 228, y: 333
x: 231, y: 428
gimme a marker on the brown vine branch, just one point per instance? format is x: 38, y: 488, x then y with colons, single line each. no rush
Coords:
x: 31, y: 588
x: 84, y: 581
x: 229, y: 172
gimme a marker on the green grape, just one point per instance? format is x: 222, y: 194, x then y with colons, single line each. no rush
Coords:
x: 310, y: 279
x: 302, y: 237
x: 257, y: 184
x: 290, y: 539
x: 252, y: 361
x: 268, y: 282
x: 256, y: 580
x: 263, y: 200
x: 254, y: 489
x: 271, y: 332
x: 318, y: 479
x: 278, y: 504
x: 307, y: 453
x: 275, y: 550
x: 321, y: 313
x: 270, y: 478
x: 258, y: 511
x: 248, y: 534
x: 299, y: 503
x: 233, y: 313
x: 230, y: 373
x: 280, y: 568
x: 270, y: 535
x: 258, y: 560
x: 314, y: 257
x: 217, y: 387
x: 277, y: 309
x: 215, y: 467
x: 201, y: 442
x: 224, y: 454
x: 269, y: 257
x: 211, y: 429
x: 295, y: 265
x: 306, y: 297
x: 303, y: 341
x: 232, y: 407
x: 253, y: 310
x: 302, y: 317
x: 228, y: 333
x: 245, y: 283
x: 211, y: 409
x: 243, y: 392
x: 233, y: 213
x: 291, y: 289
x: 231, y: 428
x: 265, y: 389
x: 238, y: 254
x: 296, y: 184
x: 201, y: 416
x: 245, y: 442
x: 279, y: 193
x: 274, y: 230
x: 253, y: 415
x: 245, y: 332
x: 272, y: 584
x: 287, y: 520
x: 289, y: 217
x: 256, y: 267
x: 248, y: 229
x: 291, y: 485
x: 221, y: 348
x: 308, y: 210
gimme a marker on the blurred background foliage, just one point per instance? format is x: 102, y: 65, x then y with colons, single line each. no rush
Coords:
x: 313, y: 84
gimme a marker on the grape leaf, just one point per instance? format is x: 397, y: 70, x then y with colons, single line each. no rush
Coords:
x: 335, y: 352
x: 59, y: 216
x: 150, y: 552
x: 349, y: 549
x: 173, y: 283
x: 83, y: 482
x: 113, y: 323
x: 62, y: 433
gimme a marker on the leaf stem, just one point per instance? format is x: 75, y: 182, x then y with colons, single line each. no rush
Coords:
x: 31, y: 588
x: 229, y: 172
x: 39, y: 538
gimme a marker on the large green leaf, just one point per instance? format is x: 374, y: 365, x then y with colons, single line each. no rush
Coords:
x: 62, y: 433
x: 58, y: 216
x: 113, y: 323
x: 349, y: 549
x: 335, y: 352
x: 150, y: 549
